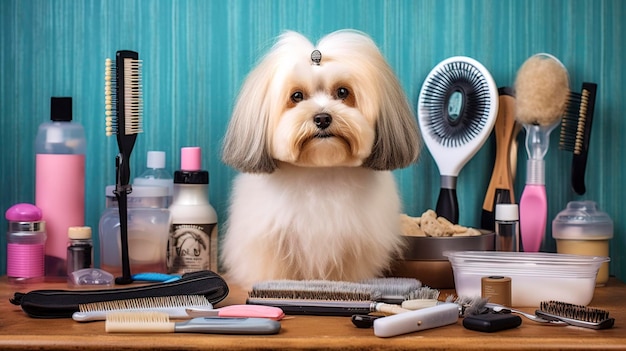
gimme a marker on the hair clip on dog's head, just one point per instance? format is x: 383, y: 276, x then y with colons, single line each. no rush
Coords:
x: 316, y: 57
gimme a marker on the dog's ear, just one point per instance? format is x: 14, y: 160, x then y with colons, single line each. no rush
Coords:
x: 246, y: 141
x: 398, y: 140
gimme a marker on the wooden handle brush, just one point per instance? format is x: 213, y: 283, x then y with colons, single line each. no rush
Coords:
x: 500, y: 188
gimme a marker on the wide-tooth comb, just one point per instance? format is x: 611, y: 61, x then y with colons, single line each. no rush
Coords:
x: 576, y: 132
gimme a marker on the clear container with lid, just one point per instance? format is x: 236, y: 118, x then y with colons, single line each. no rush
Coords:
x: 148, y: 229
x: 582, y: 229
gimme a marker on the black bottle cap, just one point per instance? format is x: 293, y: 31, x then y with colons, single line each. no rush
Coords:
x: 191, y: 177
x: 61, y: 109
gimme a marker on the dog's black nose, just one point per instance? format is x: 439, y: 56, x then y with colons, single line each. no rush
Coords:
x: 322, y: 120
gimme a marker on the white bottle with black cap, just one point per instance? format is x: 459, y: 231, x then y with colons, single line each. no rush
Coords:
x: 192, y: 242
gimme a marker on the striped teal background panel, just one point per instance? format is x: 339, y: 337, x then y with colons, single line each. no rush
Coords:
x: 196, y: 54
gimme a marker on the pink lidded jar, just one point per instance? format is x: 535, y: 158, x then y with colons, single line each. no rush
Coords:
x: 26, y: 243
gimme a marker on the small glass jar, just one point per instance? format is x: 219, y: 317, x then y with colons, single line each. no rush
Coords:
x: 148, y: 230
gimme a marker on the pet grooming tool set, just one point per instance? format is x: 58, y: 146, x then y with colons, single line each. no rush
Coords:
x: 500, y: 189
x: 124, y: 113
x: 457, y: 109
x: 576, y: 132
x: 542, y: 89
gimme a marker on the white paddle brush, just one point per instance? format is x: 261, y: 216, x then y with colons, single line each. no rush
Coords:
x: 457, y: 109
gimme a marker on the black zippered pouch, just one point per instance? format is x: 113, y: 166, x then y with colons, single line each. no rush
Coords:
x: 63, y: 303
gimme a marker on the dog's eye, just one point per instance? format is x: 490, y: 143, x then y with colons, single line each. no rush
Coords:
x: 343, y: 93
x: 297, y: 97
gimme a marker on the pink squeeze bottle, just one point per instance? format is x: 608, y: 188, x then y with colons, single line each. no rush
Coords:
x: 60, y: 180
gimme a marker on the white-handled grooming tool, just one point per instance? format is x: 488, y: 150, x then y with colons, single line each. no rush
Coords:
x: 457, y: 109
x: 408, y: 322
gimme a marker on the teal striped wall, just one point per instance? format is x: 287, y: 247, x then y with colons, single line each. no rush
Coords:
x: 196, y: 54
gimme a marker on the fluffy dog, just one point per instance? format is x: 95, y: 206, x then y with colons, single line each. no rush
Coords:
x: 315, y: 132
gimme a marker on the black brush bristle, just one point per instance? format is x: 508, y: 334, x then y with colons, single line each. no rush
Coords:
x: 576, y: 132
x: 464, y: 78
x: 576, y: 312
x: 576, y: 123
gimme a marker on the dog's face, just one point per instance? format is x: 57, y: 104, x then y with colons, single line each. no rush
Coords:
x: 322, y: 121
x: 337, y: 104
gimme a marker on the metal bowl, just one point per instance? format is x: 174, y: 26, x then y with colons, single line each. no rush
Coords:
x: 423, y: 257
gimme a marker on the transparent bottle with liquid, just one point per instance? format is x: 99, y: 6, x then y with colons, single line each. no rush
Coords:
x: 148, y: 229
x: 156, y: 174
x: 60, y: 148
x: 507, y: 227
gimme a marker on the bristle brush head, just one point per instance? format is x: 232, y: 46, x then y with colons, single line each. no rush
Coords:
x: 576, y: 123
x: 577, y: 315
x: 146, y: 303
x: 123, y: 94
x: 110, y: 98
x: 541, y: 90
x: 138, y: 322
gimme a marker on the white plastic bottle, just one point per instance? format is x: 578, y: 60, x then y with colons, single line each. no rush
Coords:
x: 192, y: 244
x: 60, y: 148
x: 156, y: 174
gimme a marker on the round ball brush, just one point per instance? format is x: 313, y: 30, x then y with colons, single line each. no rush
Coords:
x: 542, y: 90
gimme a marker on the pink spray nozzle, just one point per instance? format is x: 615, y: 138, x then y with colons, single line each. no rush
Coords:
x: 191, y: 158
x: 23, y: 212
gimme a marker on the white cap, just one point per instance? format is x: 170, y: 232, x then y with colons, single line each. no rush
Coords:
x: 79, y: 233
x: 507, y: 212
x: 156, y: 159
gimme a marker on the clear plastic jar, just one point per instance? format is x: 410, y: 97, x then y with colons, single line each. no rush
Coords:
x: 582, y: 229
x: 148, y: 230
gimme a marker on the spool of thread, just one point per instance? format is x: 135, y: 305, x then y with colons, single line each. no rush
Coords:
x: 497, y: 289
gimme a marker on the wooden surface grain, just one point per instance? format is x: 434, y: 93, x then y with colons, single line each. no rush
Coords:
x: 20, y: 332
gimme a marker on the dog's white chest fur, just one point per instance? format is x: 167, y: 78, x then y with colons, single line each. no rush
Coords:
x: 311, y: 223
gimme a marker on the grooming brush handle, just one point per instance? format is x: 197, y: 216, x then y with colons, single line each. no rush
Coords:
x: 447, y: 203
x: 533, y: 216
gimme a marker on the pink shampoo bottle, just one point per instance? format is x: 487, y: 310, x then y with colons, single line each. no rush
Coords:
x: 60, y: 180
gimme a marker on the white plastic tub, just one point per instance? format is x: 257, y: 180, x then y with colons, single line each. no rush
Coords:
x: 535, y: 277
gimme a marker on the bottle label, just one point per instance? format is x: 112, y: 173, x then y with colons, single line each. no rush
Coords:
x: 191, y: 248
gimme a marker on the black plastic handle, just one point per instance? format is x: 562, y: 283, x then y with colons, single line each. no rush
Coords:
x: 448, y: 205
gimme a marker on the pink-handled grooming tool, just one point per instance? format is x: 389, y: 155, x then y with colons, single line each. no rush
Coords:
x: 542, y: 90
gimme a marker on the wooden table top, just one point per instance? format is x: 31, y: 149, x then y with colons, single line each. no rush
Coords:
x: 20, y: 332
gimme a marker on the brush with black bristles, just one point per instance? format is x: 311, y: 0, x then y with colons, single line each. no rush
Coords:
x: 576, y: 315
x: 334, y: 298
x: 576, y: 132
x: 124, y: 113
